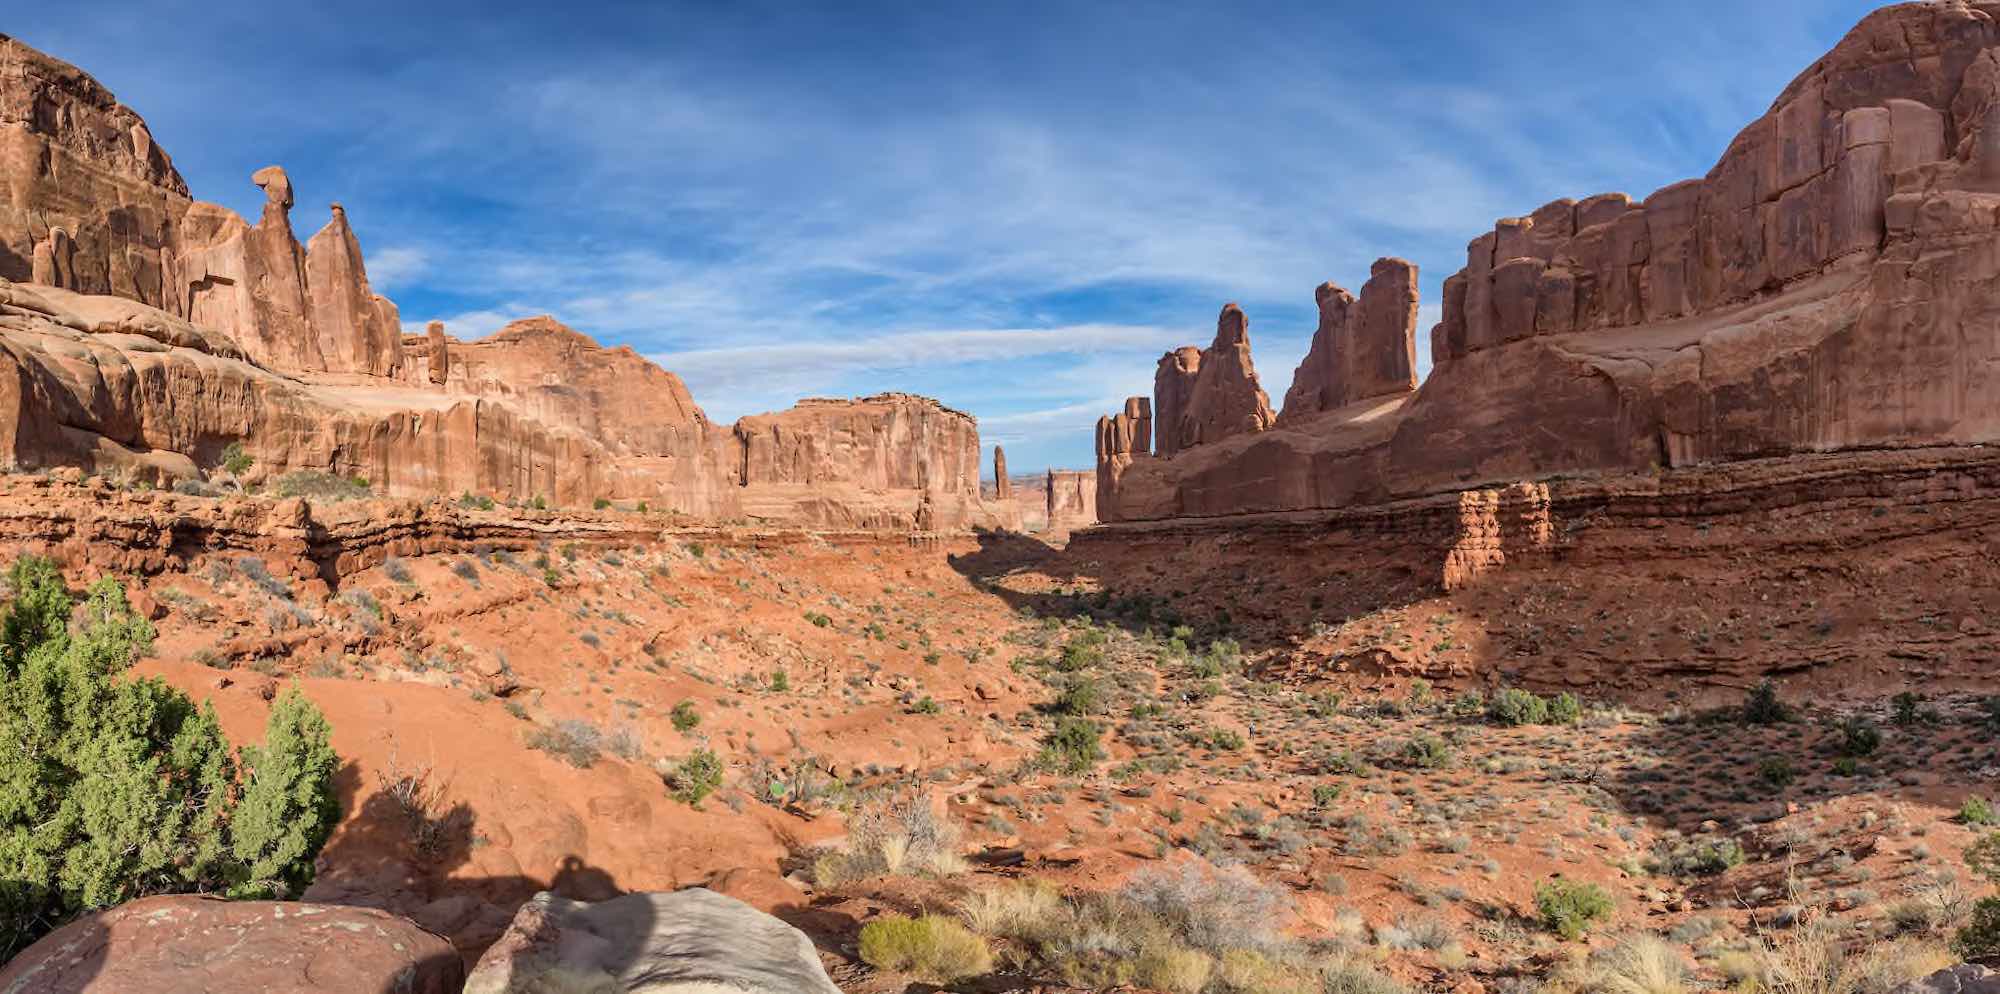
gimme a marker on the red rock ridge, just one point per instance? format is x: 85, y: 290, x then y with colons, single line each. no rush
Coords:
x: 1821, y: 288
x: 159, y: 330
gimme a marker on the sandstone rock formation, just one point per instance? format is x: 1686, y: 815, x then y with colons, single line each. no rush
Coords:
x: 427, y: 357
x: 358, y: 331
x: 1823, y: 287
x: 562, y: 378
x: 692, y: 940
x: 73, y: 158
x: 1173, y: 386
x: 1071, y: 499
x: 159, y: 330
x: 1363, y: 348
x: 872, y: 456
x: 1209, y: 395
x: 193, y: 944
x: 1003, y: 487
x: 119, y: 387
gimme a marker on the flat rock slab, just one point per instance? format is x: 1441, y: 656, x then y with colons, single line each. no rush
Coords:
x: 685, y: 942
x: 204, y: 945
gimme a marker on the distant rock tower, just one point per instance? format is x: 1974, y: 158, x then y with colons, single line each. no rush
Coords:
x: 1003, y: 488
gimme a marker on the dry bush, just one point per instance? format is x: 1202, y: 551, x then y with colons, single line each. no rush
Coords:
x: 893, y: 839
x: 1817, y: 960
x: 1024, y: 911
x: 419, y: 793
x: 1210, y: 907
x: 1637, y: 964
x: 573, y: 740
x: 1194, y: 928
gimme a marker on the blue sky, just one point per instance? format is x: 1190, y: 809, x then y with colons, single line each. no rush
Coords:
x: 1014, y: 207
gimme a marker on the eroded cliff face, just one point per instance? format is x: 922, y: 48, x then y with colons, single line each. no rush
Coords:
x: 121, y: 388
x: 83, y: 187
x: 1828, y: 285
x: 142, y: 332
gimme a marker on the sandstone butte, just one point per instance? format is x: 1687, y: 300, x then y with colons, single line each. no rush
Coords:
x: 1829, y: 285
x: 143, y: 332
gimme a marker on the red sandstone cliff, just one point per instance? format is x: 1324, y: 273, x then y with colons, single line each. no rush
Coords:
x: 1827, y: 285
x: 142, y: 332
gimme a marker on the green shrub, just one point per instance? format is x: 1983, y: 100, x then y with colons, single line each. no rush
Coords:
x: 684, y: 717
x: 323, y: 486
x: 1468, y: 705
x: 116, y: 789
x: 1907, y: 710
x: 925, y: 705
x: 1427, y: 752
x: 931, y: 948
x: 780, y: 682
x: 1223, y: 740
x: 1976, y: 811
x: 1565, y: 709
x: 235, y: 461
x: 600, y: 504
x: 1081, y: 697
x: 1859, y: 737
x: 1700, y: 856
x: 1980, y: 935
x: 1776, y: 771
x: 1569, y: 908
x: 695, y: 777
x: 1763, y: 707
x: 1080, y: 654
x: 1983, y: 857
x: 1515, y: 707
x: 1073, y: 747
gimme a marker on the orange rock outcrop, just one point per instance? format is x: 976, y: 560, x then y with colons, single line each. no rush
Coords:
x: 1826, y: 286
x: 143, y: 332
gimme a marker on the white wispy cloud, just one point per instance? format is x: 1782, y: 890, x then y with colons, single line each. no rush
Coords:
x: 395, y: 267
x: 902, y: 350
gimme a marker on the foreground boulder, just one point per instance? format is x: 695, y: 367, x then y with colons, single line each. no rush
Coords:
x: 205, y: 945
x: 1965, y: 978
x: 687, y: 941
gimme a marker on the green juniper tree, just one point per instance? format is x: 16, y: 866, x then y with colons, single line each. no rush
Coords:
x: 114, y: 788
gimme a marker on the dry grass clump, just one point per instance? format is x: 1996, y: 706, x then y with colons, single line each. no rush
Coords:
x: 1194, y: 929
x: 1818, y: 960
x: 892, y: 839
x: 1637, y: 964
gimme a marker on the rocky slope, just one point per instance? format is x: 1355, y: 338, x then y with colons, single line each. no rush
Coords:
x: 145, y: 332
x: 1824, y: 287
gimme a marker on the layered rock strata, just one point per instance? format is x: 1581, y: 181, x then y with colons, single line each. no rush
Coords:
x: 160, y: 331
x: 1826, y: 286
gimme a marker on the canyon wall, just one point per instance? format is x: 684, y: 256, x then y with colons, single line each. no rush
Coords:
x: 143, y: 333
x: 1828, y: 285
